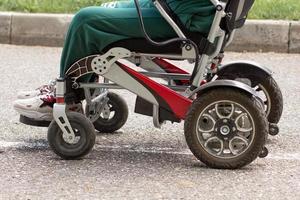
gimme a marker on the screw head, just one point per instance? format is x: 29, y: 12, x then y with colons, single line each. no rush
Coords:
x: 219, y: 8
x: 188, y: 47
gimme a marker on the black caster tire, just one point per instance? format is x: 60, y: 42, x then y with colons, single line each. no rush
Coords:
x: 243, y: 153
x: 273, y: 129
x: 270, y: 89
x: 84, y: 132
x: 117, y: 107
x: 264, y: 153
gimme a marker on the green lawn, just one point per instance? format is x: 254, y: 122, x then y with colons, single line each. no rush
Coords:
x: 263, y: 9
x: 47, y: 6
x: 276, y: 9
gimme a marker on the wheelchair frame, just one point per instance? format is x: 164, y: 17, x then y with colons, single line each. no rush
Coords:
x: 124, y: 77
x: 166, y: 102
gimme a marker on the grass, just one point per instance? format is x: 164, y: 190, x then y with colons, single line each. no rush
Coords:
x: 47, y: 6
x: 263, y: 9
x: 276, y: 9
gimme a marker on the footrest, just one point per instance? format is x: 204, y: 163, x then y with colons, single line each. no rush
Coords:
x: 33, y: 122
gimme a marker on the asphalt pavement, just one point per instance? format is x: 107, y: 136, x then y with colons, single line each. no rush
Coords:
x: 139, y: 161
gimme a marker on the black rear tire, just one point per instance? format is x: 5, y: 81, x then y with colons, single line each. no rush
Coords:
x: 260, y: 125
x: 269, y: 87
x: 117, y: 105
x: 84, y: 132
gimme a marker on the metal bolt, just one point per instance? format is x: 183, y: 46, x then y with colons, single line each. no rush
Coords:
x: 188, y: 47
x: 225, y: 120
x: 75, y: 86
x: 219, y: 8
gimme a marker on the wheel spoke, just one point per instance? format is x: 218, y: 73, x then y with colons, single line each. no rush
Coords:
x: 245, y: 140
x: 226, y: 144
x: 222, y: 148
x: 239, y: 128
x: 210, y: 140
x: 222, y: 116
x: 213, y: 125
x: 244, y: 130
x: 232, y: 147
x: 232, y: 150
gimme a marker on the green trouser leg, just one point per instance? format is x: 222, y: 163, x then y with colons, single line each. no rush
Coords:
x: 93, y: 28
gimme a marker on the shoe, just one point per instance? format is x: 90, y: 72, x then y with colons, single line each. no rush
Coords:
x: 39, y: 108
x: 45, y: 89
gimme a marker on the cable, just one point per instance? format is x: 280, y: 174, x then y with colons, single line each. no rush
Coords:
x: 167, y: 42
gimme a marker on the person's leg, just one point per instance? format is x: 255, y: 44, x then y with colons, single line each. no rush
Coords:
x: 93, y: 28
x: 84, y: 38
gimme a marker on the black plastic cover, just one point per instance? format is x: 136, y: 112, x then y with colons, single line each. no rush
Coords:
x: 144, y: 107
x: 237, y: 11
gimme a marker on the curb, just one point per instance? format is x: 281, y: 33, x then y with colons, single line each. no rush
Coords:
x: 50, y: 29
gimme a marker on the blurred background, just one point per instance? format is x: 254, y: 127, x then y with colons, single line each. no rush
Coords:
x: 263, y: 9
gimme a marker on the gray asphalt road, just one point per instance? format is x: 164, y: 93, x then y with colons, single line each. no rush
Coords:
x: 139, y: 161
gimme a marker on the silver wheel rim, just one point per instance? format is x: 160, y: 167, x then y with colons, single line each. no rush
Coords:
x: 76, y: 139
x: 225, y: 136
x: 108, y: 112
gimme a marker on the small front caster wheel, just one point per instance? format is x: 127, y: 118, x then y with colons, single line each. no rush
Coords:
x: 264, y: 153
x: 84, y: 137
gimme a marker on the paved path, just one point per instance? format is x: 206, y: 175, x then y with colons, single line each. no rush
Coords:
x: 139, y: 161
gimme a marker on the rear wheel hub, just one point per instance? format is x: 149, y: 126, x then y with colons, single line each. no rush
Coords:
x: 225, y: 129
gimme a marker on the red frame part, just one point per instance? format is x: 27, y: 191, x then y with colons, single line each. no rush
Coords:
x: 178, y: 104
x: 170, y: 68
